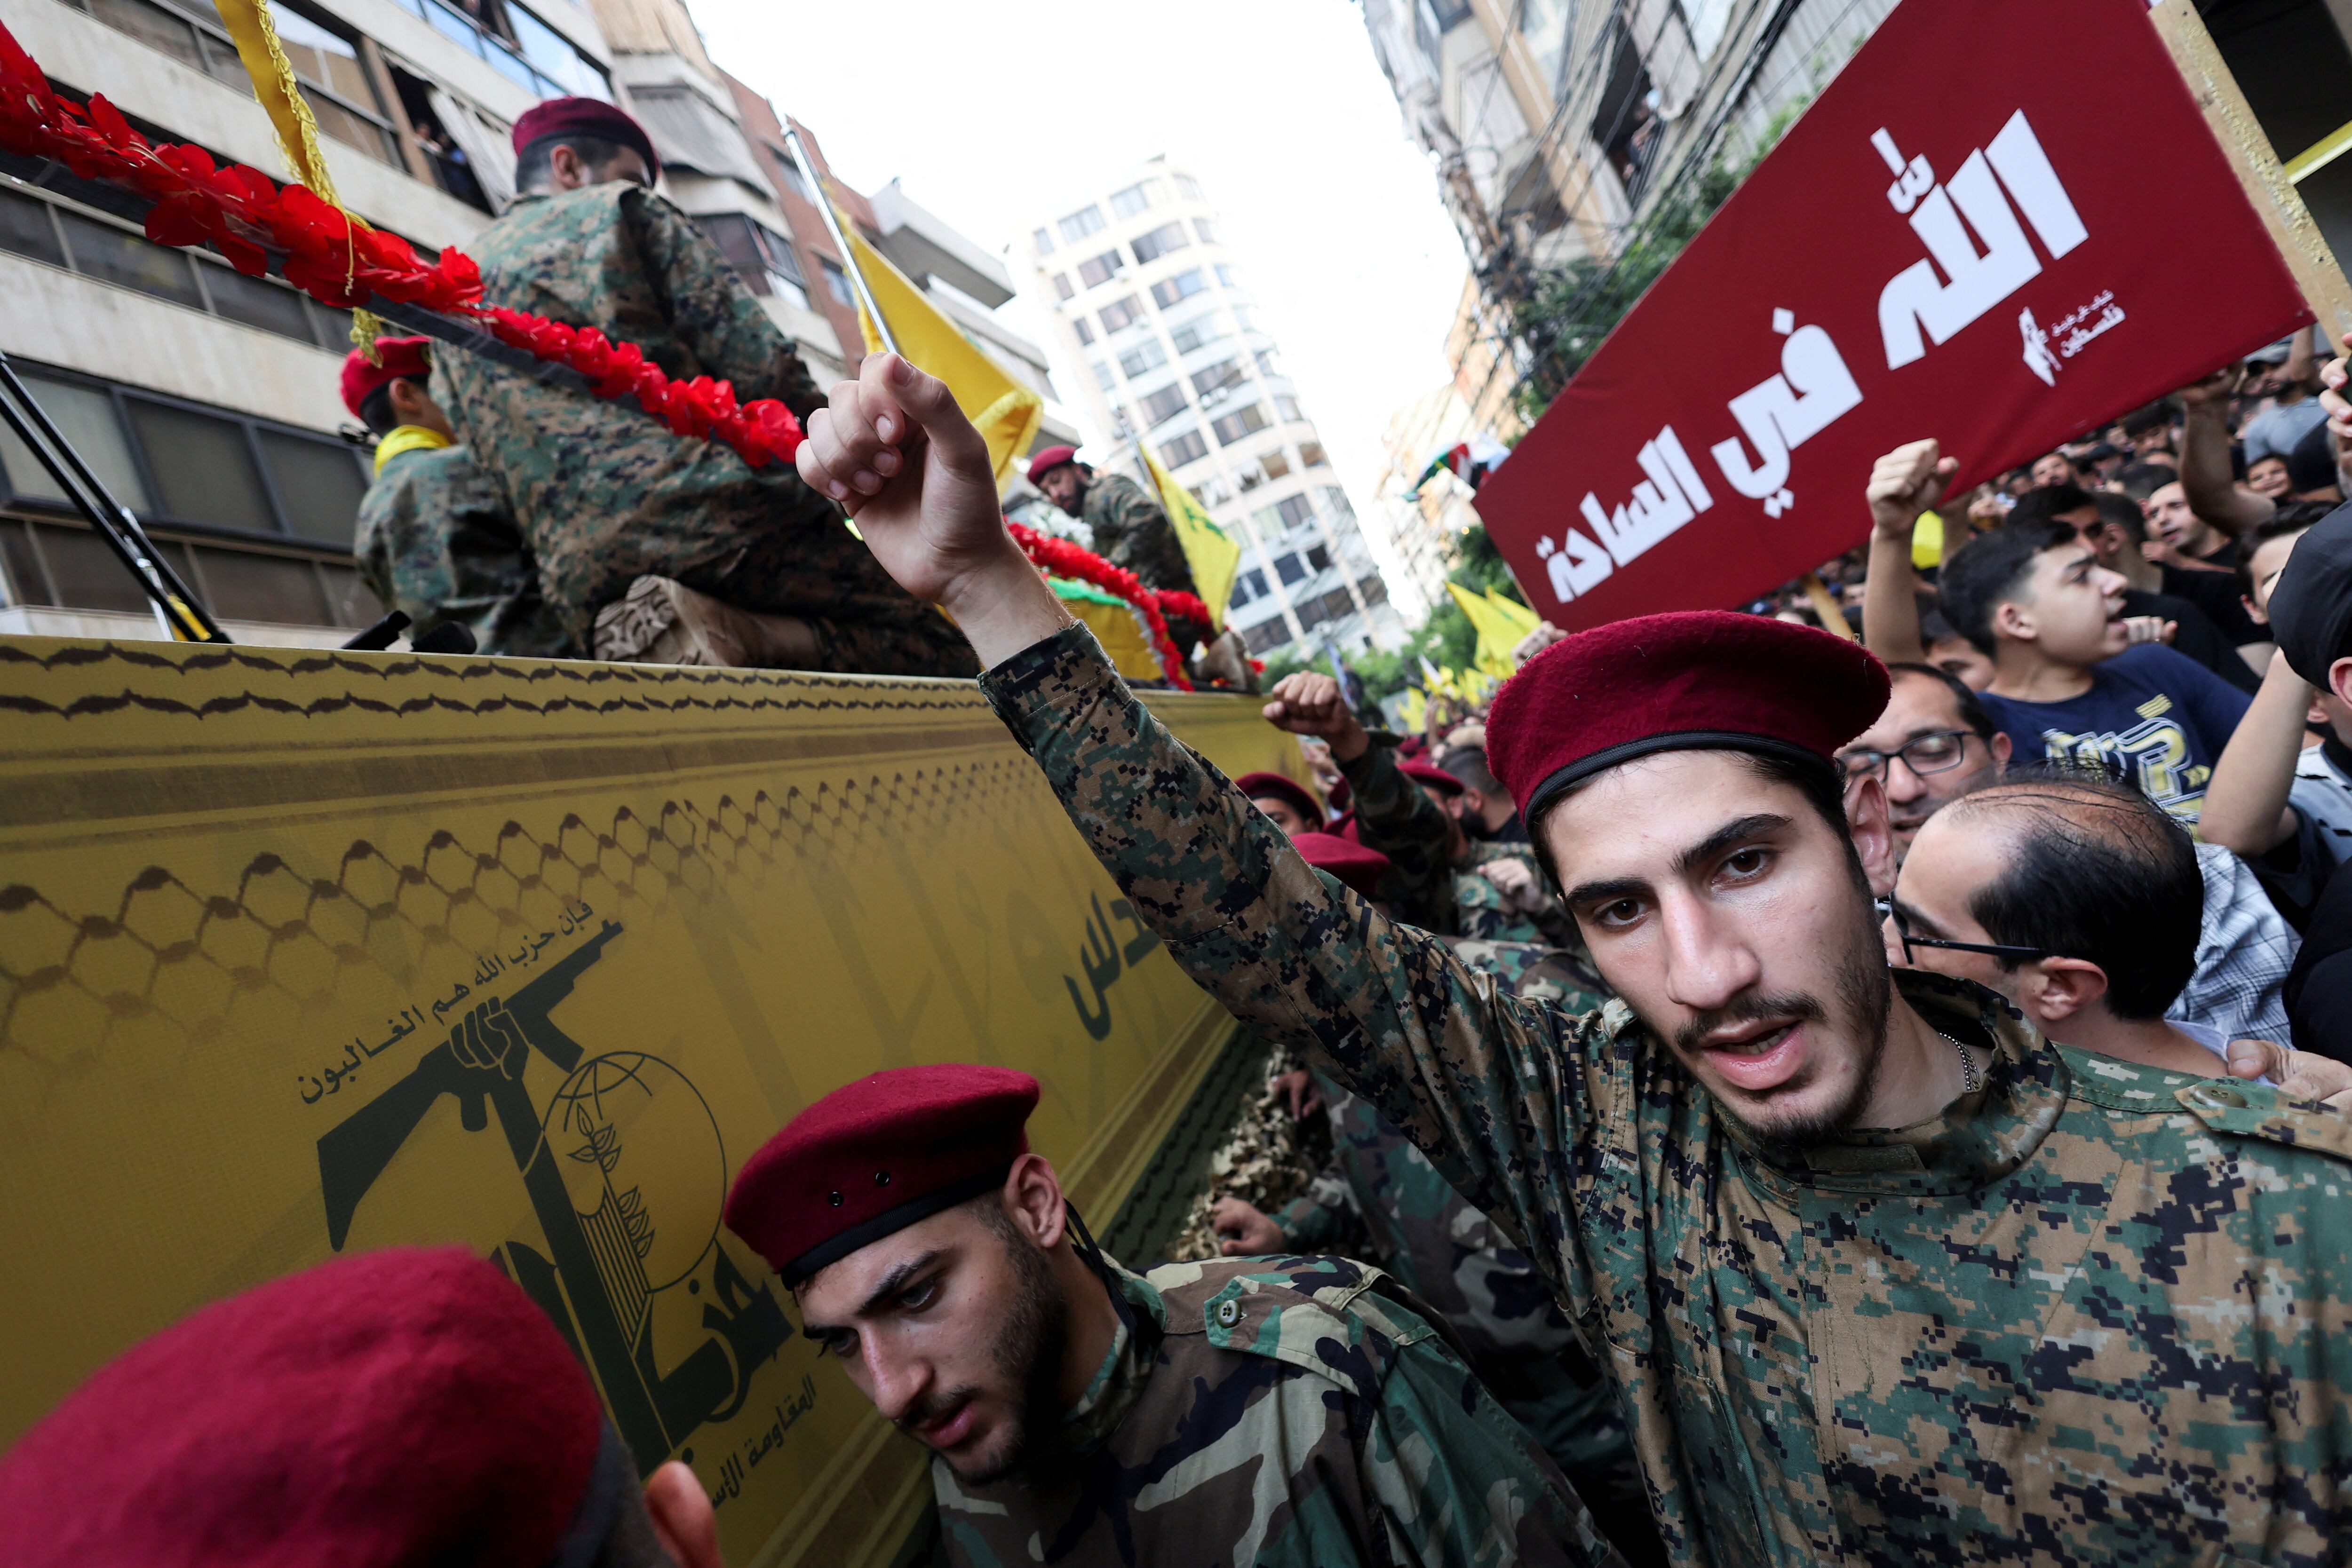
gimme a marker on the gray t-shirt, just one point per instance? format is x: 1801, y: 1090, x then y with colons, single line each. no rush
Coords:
x: 2274, y: 432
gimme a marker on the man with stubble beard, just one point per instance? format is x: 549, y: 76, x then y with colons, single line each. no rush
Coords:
x: 1884, y: 1275
x: 1288, y: 1412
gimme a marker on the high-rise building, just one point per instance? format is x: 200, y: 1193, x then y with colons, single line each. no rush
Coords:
x: 1158, y: 344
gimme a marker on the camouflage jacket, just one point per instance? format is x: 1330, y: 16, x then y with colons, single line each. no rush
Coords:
x: 1286, y: 1412
x: 2091, y: 1315
x: 1428, y: 884
x: 604, y: 492
x: 1127, y: 529
x: 435, y: 542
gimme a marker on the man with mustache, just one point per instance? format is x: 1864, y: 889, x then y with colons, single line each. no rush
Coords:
x: 1288, y: 1412
x: 1884, y: 1275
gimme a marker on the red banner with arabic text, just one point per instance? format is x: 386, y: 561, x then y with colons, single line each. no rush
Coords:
x: 2005, y: 222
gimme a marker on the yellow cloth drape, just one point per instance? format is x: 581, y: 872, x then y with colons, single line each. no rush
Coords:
x: 1006, y: 413
x: 1215, y: 560
x: 407, y: 438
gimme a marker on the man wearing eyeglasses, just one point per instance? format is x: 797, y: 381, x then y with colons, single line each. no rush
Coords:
x: 1934, y: 744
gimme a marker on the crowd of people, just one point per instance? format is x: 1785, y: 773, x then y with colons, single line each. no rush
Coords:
x: 1793, y: 1098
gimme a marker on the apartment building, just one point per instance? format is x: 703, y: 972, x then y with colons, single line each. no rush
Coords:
x: 1424, y: 526
x: 1159, y: 344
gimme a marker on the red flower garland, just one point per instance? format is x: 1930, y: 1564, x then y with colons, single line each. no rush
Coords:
x: 342, y: 263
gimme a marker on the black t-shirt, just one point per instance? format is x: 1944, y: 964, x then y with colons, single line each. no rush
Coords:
x: 2216, y: 593
x: 2196, y: 635
x: 2319, y: 986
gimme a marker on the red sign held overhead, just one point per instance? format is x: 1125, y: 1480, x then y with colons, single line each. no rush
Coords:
x: 2003, y: 223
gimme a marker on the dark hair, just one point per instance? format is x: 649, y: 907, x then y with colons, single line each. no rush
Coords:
x: 2311, y: 465
x: 2146, y: 417
x: 2101, y: 873
x: 2124, y: 512
x: 2288, y: 518
x: 1991, y: 569
x: 2044, y: 502
x: 2141, y: 480
x: 534, y: 164
x: 1934, y: 627
x: 1469, y: 764
x: 1972, y: 712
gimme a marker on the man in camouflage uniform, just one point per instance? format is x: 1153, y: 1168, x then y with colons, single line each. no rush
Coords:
x: 1285, y: 1412
x: 1125, y: 525
x: 434, y: 541
x: 1882, y: 1274
x: 605, y: 493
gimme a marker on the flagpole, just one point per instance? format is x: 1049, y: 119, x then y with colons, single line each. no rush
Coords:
x: 840, y: 241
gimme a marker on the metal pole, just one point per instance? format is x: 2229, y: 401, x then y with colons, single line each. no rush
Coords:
x: 182, y: 615
x: 840, y: 241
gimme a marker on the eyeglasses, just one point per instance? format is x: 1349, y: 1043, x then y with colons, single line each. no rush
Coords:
x: 1922, y: 754
x: 1887, y: 911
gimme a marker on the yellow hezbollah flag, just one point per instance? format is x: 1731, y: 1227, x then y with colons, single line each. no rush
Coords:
x: 1006, y: 413
x: 1214, y: 558
x: 1500, y: 625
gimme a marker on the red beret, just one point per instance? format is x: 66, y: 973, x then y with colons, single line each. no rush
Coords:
x: 1351, y: 862
x: 395, y: 1407
x: 1053, y: 457
x: 1300, y: 798
x: 875, y: 1156
x: 585, y: 117
x: 1430, y: 774
x: 403, y: 359
x: 1701, y: 680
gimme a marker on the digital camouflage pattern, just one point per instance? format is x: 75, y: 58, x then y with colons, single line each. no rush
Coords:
x: 2091, y: 1315
x: 1431, y: 882
x: 606, y: 494
x: 1284, y: 1412
x: 435, y: 542
x: 1127, y: 528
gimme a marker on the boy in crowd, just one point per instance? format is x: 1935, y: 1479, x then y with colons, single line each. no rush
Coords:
x: 2114, y: 528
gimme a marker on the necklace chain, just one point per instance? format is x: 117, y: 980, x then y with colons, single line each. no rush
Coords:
x: 1970, y: 1078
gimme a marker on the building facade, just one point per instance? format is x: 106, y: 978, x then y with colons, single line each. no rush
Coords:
x: 1425, y: 521
x: 1159, y: 345
x: 207, y: 402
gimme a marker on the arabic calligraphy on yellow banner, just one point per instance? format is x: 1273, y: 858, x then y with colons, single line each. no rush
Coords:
x: 309, y: 952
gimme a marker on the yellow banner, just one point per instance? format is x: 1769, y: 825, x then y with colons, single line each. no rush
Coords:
x: 249, y: 895
x: 1209, y: 550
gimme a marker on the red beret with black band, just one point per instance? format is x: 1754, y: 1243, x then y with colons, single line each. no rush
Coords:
x: 1430, y: 774
x: 1053, y: 457
x: 1700, y: 680
x: 397, y: 1407
x: 1277, y: 786
x: 876, y: 1156
x: 585, y: 117
x: 1354, y: 864
x: 396, y: 359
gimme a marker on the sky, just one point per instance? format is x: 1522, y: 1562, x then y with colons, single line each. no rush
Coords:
x: 997, y: 118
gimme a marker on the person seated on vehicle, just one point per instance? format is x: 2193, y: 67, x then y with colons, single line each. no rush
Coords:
x: 1280, y: 1411
x: 406, y: 1406
x: 435, y: 539
x: 651, y: 545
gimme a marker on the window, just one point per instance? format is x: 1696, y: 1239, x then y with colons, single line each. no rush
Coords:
x: 836, y: 282
x: 1240, y: 595
x: 1267, y: 635
x: 1044, y: 241
x: 26, y: 229
x: 1334, y: 501
x: 1078, y: 325
x: 1319, y: 558
x: 761, y: 256
x: 1104, y: 378
x: 86, y: 417
x: 1132, y: 200
x: 1080, y: 224
x: 115, y: 255
x: 1374, y: 589
x: 1287, y: 407
x: 1187, y: 188
x: 1310, y: 454
x: 1098, y: 270
x: 1266, y: 362
x: 1252, y: 477
x: 1625, y: 124
x: 1164, y: 404
x: 1151, y: 246
x: 1208, y: 232
x: 517, y: 46
x: 1183, y: 286
x: 1145, y: 356
x: 1119, y: 313
x: 204, y: 469
x: 1294, y: 510
x: 794, y: 180
x: 318, y: 483
x: 1235, y: 425
x: 1186, y: 448
x: 1194, y: 334
x: 1225, y: 275
x: 1219, y: 376
x: 1274, y: 464
x: 1062, y: 289
x: 1290, y: 569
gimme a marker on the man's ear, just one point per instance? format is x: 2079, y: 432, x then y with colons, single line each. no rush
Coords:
x: 683, y: 1517
x: 1032, y: 1197
x: 1874, y: 839
x: 2339, y: 680
x: 2062, y: 987
x: 2013, y: 621
x: 2000, y: 746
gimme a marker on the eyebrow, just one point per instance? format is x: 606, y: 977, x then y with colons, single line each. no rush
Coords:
x: 1920, y: 925
x: 892, y: 1283
x: 1706, y: 849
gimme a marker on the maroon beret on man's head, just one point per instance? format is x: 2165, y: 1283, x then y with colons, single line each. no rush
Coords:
x: 585, y: 117
x: 1281, y: 788
x: 876, y: 1156
x: 1351, y: 862
x: 1699, y: 679
x: 395, y: 1407
x: 1430, y: 774
x: 1053, y: 457
x: 397, y: 359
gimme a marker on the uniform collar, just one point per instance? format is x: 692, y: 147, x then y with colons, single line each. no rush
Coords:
x: 1976, y: 1141
x: 408, y: 438
x: 1119, y: 1382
